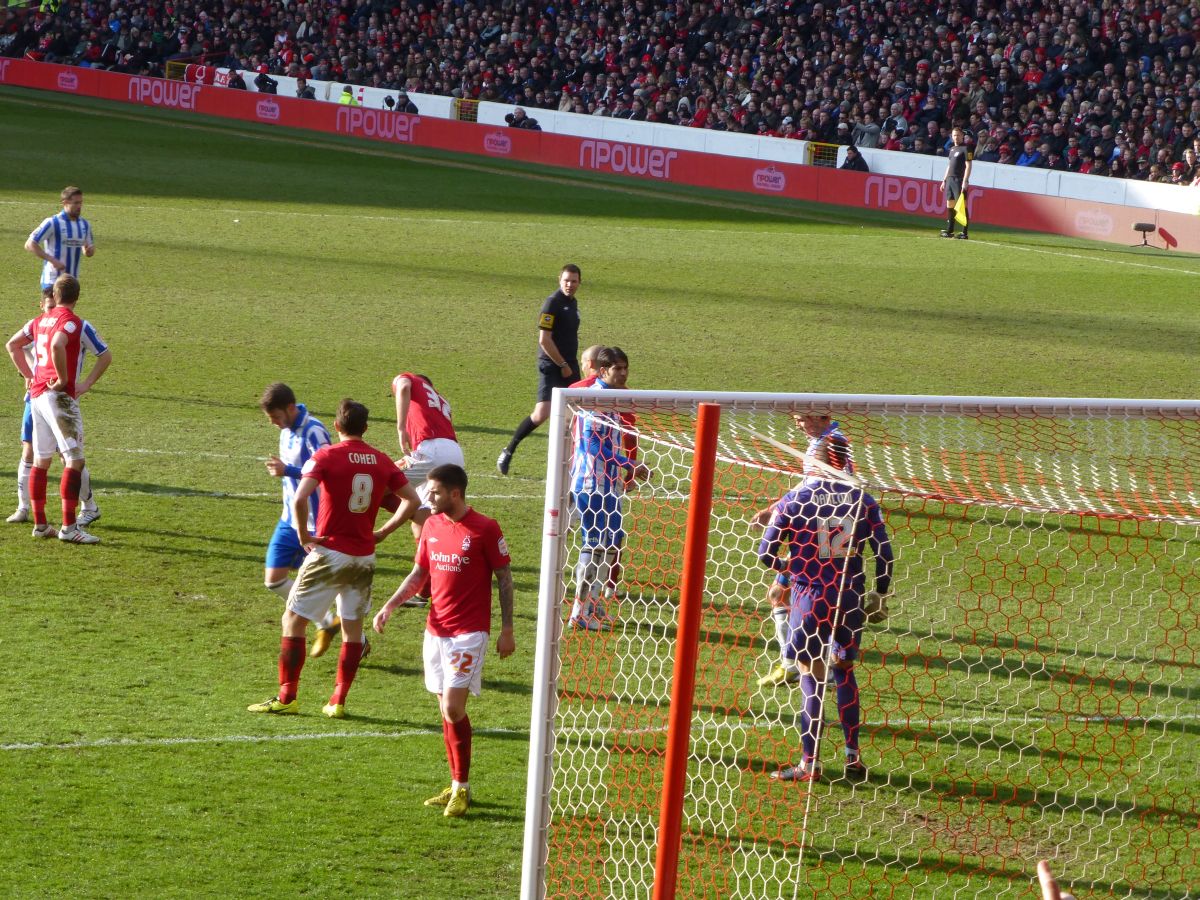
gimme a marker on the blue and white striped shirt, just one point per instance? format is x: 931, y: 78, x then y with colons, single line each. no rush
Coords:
x: 63, y: 238
x: 297, y: 444
x: 598, y: 463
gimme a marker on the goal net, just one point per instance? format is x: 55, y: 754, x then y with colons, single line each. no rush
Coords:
x: 1031, y: 692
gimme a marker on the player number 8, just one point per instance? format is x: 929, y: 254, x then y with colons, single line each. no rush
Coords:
x: 360, y: 493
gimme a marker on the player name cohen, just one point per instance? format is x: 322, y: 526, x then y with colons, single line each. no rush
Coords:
x: 449, y: 562
x: 363, y: 459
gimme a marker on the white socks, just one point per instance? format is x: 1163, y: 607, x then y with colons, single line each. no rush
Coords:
x: 23, y: 470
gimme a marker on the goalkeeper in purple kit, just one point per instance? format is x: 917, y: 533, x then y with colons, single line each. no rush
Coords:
x: 825, y: 524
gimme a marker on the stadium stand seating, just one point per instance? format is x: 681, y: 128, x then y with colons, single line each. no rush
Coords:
x: 1077, y: 86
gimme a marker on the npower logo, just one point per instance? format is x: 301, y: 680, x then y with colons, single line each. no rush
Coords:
x: 376, y: 124
x: 910, y: 195
x: 769, y: 179
x: 4, y: 68
x: 67, y: 81
x: 1094, y: 222
x: 497, y: 142
x: 157, y: 92
x: 632, y: 159
x: 267, y: 110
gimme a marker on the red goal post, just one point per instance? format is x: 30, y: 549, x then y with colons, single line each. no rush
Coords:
x: 1032, y: 693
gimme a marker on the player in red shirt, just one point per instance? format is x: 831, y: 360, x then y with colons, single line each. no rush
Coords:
x: 57, y: 422
x: 460, y: 552
x: 427, y: 440
x: 353, y: 477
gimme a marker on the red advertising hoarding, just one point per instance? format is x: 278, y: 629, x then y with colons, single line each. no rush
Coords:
x: 1011, y: 209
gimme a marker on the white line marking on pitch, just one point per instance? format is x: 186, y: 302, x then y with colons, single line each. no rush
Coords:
x: 103, y: 743
x: 1103, y: 259
x: 237, y: 739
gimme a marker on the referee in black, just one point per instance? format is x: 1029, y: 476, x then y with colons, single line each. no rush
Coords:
x: 954, y: 182
x: 558, y: 356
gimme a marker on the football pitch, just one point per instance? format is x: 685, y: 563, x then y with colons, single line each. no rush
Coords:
x: 231, y: 256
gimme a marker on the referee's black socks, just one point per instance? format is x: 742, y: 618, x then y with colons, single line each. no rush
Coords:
x: 524, y: 430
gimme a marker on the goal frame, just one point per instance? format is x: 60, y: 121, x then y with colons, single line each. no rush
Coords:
x: 552, y: 586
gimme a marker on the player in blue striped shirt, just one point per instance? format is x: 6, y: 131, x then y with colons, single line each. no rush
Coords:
x: 599, y: 469
x: 300, y: 436
x: 62, y: 240
x: 826, y: 524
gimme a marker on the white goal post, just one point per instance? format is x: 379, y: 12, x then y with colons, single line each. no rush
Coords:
x: 1027, y: 689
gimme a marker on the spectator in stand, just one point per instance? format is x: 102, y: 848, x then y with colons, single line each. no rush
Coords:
x: 854, y: 160
x: 865, y: 133
x: 236, y: 81
x: 1082, y: 71
x: 404, y: 103
x: 303, y: 91
x: 518, y: 119
x: 264, y: 83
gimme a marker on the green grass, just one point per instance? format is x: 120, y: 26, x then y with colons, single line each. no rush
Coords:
x: 231, y: 256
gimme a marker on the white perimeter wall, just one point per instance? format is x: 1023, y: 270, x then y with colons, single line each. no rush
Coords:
x: 1121, y: 191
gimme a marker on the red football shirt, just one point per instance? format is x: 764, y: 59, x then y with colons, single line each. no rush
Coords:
x: 354, y: 477
x: 59, y: 319
x: 428, y: 411
x: 460, y: 558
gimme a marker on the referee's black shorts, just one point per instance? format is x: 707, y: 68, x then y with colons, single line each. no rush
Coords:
x: 550, y: 377
x: 953, y: 190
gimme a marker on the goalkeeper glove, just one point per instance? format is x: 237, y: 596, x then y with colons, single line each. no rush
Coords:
x: 876, y: 608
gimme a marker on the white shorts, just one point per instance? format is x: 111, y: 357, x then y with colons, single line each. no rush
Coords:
x: 428, y: 456
x: 325, y: 576
x: 57, y: 425
x: 455, y: 661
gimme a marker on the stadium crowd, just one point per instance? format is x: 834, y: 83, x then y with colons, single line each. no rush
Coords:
x: 1107, y: 88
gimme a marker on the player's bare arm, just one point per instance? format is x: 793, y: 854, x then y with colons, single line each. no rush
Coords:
x: 639, y: 470
x: 506, y: 644
x: 300, y: 513
x: 276, y: 466
x: 403, y: 399
x: 58, y: 356
x: 103, y: 361
x: 36, y: 249
x: 546, y: 342
x: 762, y: 518
x: 410, y: 503
x: 407, y: 590
x: 16, y: 350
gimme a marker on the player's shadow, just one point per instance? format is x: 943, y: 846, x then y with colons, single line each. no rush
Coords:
x: 493, y: 810
x: 482, y: 429
x: 396, y: 669
x: 176, y: 399
x: 1031, y: 666
x: 170, y: 491
x: 405, y: 724
x: 501, y: 686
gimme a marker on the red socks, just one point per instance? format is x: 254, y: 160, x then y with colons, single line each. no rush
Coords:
x: 68, y: 490
x: 458, y: 747
x: 37, y: 494
x: 347, y: 668
x: 291, y: 661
